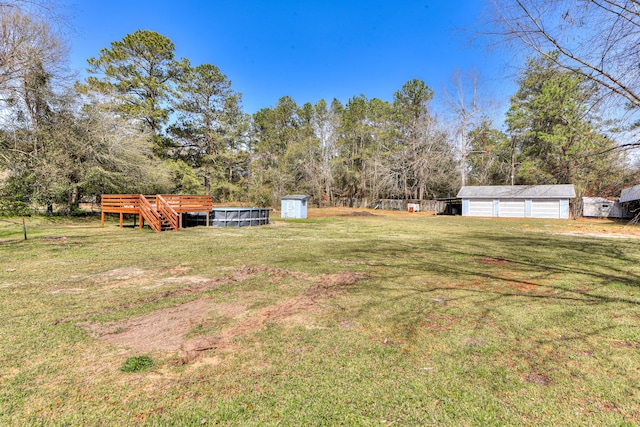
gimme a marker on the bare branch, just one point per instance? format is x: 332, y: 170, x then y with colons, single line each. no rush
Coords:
x: 597, y: 39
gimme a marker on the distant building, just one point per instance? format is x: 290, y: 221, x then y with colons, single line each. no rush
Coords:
x: 294, y: 206
x: 630, y: 199
x: 517, y: 201
x: 631, y: 194
x: 598, y: 207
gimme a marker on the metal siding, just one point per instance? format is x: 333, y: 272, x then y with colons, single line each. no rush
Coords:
x: 303, y: 209
x: 547, y: 208
x: 561, y: 191
x: 511, y: 208
x: 480, y: 207
x: 630, y: 194
x: 294, y: 208
x: 288, y: 209
x: 596, y: 208
x: 564, y: 208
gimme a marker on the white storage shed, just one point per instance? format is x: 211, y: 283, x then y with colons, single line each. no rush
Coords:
x: 517, y: 201
x: 599, y: 207
x: 294, y: 206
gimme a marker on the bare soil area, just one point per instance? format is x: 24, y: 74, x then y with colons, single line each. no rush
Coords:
x: 169, y: 329
x: 495, y: 261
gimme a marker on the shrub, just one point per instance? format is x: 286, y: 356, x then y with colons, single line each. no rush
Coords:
x: 136, y: 364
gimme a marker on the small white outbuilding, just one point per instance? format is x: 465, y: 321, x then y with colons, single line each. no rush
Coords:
x: 599, y: 207
x: 517, y: 201
x: 294, y: 206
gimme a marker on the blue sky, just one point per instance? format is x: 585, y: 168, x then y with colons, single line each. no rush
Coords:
x: 306, y: 49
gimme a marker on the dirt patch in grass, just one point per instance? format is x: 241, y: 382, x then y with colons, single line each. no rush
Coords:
x: 178, y: 270
x: 538, y: 378
x: 10, y: 239
x: 358, y: 213
x: 196, y: 285
x: 123, y: 277
x: 439, y: 322
x: 339, y: 279
x: 168, y: 329
x: 55, y: 239
x: 625, y: 344
x: 520, y: 287
x: 162, y: 330
x: 529, y: 288
x: 125, y: 273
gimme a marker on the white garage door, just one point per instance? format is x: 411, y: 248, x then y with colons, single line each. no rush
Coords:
x: 480, y: 207
x: 511, y: 208
x: 545, y: 208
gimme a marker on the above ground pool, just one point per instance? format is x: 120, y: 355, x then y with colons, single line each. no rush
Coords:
x: 229, y: 217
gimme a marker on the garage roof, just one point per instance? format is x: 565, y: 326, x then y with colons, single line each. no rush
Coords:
x: 295, y: 197
x: 562, y: 191
x: 630, y: 194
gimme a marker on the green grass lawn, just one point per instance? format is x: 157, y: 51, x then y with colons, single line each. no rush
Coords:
x: 368, y: 320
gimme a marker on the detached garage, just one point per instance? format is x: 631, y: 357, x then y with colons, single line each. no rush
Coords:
x: 517, y: 201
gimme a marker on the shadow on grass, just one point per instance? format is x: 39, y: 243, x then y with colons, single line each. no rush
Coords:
x: 532, y: 260
x: 524, y: 294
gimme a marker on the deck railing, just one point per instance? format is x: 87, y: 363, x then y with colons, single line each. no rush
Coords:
x: 155, y: 209
x: 126, y: 203
x: 189, y: 202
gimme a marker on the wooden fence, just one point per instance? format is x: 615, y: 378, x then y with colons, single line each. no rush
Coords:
x: 390, y: 204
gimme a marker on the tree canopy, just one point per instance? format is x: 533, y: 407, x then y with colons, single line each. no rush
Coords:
x: 146, y: 121
x: 595, y: 39
x: 553, y: 119
x: 139, y: 74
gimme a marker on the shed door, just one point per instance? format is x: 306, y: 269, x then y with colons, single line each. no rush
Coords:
x: 545, y: 208
x: 480, y: 207
x: 511, y: 208
x: 291, y: 209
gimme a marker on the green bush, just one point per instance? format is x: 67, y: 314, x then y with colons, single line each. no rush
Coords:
x: 14, y: 208
x: 136, y: 364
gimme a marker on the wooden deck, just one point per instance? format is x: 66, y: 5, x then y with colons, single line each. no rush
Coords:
x: 161, y: 212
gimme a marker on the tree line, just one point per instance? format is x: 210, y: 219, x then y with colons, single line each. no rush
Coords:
x: 145, y: 121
